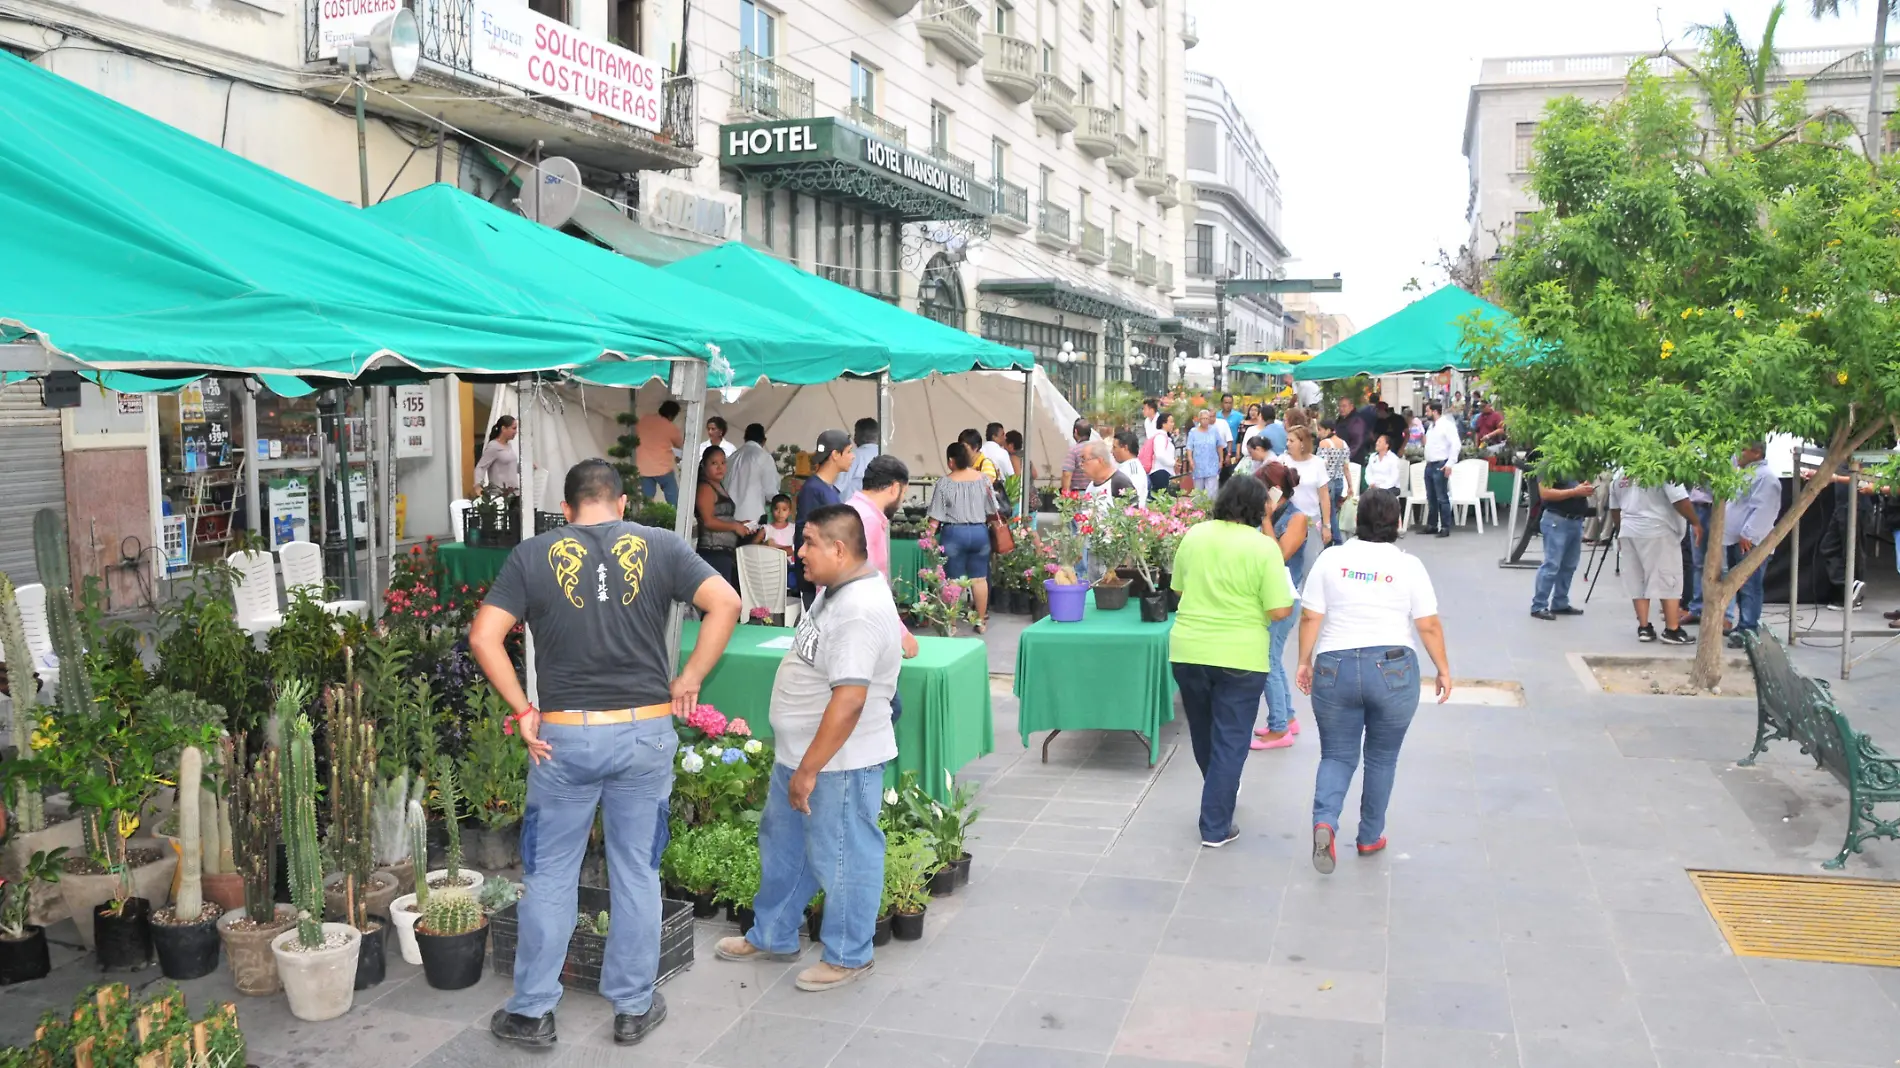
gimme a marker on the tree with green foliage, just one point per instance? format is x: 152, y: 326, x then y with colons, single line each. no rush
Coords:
x: 1877, y: 60
x: 1708, y: 268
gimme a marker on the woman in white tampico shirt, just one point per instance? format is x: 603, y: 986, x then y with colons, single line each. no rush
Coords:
x: 1361, y: 602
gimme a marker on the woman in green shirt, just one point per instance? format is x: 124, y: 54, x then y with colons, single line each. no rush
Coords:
x: 1233, y: 584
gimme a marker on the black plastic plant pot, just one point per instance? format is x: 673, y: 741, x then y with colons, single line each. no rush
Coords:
x: 961, y: 866
x: 453, y: 962
x: 881, y: 934
x: 186, y: 950
x: 1154, y: 608
x: 1111, y: 598
x: 704, y: 907
x: 815, y: 923
x: 25, y: 958
x: 371, y: 964
x: 124, y: 941
x: 944, y: 882
x: 907, y: 926
x: 741, y: 916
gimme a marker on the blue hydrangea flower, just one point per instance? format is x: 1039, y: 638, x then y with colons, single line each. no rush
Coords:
x: 731, y: 756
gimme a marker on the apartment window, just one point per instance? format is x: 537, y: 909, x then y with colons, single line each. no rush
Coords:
x: 1141, y: 61
x: 1526, y: 137
x: 1201, y: 253
x: 939, y: 129
x: 1141, y: 238
x: 554, y: 9
x: 624, y: 18
x: 1082, y: 202
x: 1141, y: 138
x: 1114, y: 222
x: 1085, y: 90
x: 1521, y: 222
x: 1203, y: 145
x: 863, y: 86
x: 1048, y: 58
x: 758, y: 30
x: 1043, y: 177
x: 1114, y: 29
x: 1233, y: 257
x: 1005, y: 21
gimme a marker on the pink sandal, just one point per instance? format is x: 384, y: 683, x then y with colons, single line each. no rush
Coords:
x: 1277, y: 743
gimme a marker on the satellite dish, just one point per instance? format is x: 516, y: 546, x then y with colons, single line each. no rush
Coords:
x: 560, y: 192
x: 396, y: 45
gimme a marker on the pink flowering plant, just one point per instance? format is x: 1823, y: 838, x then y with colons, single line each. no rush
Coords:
x: 721, y: 772
x: 940, y: 601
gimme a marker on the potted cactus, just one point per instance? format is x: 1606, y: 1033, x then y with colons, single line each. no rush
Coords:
x: 23, y: 953
x: 361, y: 892
x: 186, y: 934
x: 452, y: 875
x: 389, y: 829
x: 407, y: 909
x: 247, y: 932
x: 222, y: 883
x: 453, y: 939
x: 315, y: 960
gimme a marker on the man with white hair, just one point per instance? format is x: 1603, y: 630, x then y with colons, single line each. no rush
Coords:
x: 1106, y: 480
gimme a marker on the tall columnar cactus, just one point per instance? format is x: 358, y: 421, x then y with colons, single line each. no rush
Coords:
x: 74, y: 693
x: 389, y: 821
x: 191, y: 900
x: 352, y: 752
x: 255, y: 812
x: 451, y: 823
x: 300, y: 832
x: 29, y: 807
x: 215, y: 812
x: 419, y: 844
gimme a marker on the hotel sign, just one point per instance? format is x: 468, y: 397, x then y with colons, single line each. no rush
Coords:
x: 748, y: 146
x: 920, y: 169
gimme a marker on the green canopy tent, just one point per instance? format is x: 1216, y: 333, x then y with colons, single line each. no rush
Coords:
x: 130, y: 245
x: 1424, y: 337
x: 1270, y: 367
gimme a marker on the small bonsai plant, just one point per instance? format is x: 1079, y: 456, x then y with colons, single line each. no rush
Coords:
x: 16, y: 897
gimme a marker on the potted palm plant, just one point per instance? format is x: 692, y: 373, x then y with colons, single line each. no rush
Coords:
x: 23, y: 953
x: 247, y: 932
x: 186, y: 934
x: 316, y: 960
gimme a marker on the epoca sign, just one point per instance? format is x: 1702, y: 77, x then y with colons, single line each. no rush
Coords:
x: 517, y: 46
x: 340, y: 20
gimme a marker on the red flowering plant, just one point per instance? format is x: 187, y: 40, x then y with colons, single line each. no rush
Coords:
x: 721, y: 772
x: 419, y: 594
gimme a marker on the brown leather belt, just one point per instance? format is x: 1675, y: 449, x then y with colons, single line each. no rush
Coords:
x: 606, y: 718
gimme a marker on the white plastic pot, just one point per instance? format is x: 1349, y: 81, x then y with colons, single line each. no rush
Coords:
x: 466, y: 873
x: 402, y: 913
x: 319, y: 985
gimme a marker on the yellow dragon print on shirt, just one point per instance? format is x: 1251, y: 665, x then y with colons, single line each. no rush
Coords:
x: 631, y: 551
x: 566, y: 557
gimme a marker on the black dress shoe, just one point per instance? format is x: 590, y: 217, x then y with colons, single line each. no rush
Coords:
x: 1536, y: 614
x: 629, y: 1028
x: 1429, y: 532
x: 522, y: 1030
x: 1567, y: 611
x: 1442, y: 534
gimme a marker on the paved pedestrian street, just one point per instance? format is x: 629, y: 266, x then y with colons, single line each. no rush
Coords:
x: 1532, y: 910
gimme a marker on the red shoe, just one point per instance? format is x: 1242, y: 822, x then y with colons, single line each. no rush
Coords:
x: 1368, y: 850
x: 1323, y: 857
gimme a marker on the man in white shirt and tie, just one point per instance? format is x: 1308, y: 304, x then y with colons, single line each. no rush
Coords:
x: 1441, y: 454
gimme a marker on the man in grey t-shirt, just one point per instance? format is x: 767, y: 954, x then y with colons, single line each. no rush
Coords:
x: 831, y: 723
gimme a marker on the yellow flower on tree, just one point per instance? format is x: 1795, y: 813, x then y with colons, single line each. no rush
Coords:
x: 127, y: 824
x: 1668, y: 348
x: 1840, y: 378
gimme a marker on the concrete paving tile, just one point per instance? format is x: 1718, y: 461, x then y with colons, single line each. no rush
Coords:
x: 1216, y: 939
x: 688, y: 1030
x: 1358, y: 951
x: 1564, y: 1051
x: 1220, y: 900
x: 1425, y: 1047
x: 1671, y: 931
x: 1108, y: 932
x: 1281, y: 1041
x: 1002, y: 921
x: 470, y: 1007
x: 1002, y: 806
x: 1087, y: 973
x: 1306, y: 906
x: 982, y: 961
x: 1427, y: 954
x: 1122, y: 893
x: 1017, y: 784
x: 1715, y: 1026
x: 1475, y: 917
x: 729, y: 984
x: 1071, y: 813
x: 1059, y: 1021
x: 1839, y: 1036
x: 936, y: 1006
x: 1716, y: 977
x: 1448, y: 1005
x: 365, y: 1038
x: 1690, y: 1058
x: 1032, y: 887
x: 990, y: 835
x: 1549, y: 962
x: 1811, y: 984
x: 1323, y: 993
x: 1090, y: 841
x: 1588, y: 1013
x: 766, y: 1040
x: 1007, y: 1055
x: 1223, y: 867
x: 1186, y: 1034
x: 1212, y: 984
x: 874, y: 1047
x: 1148, y: 862
x: 1044, y: 860
x: 1575, y: 925
x: 1110, y: 790
x: 849, y: 1004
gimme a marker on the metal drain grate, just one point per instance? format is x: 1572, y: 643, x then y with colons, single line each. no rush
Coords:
x: 1805, y: 917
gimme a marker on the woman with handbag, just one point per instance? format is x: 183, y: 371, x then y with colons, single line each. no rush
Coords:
x: 962, y: 505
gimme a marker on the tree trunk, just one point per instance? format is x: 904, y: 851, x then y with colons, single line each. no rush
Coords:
x: 1877, y: 95
x: 1709, y: 646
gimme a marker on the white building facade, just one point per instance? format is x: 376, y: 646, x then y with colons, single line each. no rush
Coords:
x: 1234, y: 228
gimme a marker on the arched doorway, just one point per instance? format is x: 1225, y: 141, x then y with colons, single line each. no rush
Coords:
x: 940, y: 292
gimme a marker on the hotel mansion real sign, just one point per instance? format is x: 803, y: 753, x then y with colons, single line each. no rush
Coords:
x: 770, y: 144
x: 555, y: 61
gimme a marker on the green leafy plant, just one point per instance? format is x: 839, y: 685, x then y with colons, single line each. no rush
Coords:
x: 722, y: 780
x: 107, y: 1028
x: 909, y: 862
x: 310, y: 643
x: 734, y: 857
x: 594, y: 925
x: 901, y: 802
x: 661, y: 514
x: 16, y: 897
x: 946, y: 825
x: 201, y: 650
x: 494, y: 767
x: 497, y: 894
x: 689, y: 861
x: 940, y: 602
x: 451, y: 912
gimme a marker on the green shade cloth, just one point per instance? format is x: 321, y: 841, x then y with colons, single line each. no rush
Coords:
x: 1108, y: 672
x: 1424, y: 337
x: 1269, y: 368
x: 946, y: 692
x: 917, y: 346
x: 130, y: 245
x: 585, y: 278
x: 468, y: 565
x: 907, y: 558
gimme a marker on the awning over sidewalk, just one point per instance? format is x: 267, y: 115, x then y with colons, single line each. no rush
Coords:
x: 1423, y: 337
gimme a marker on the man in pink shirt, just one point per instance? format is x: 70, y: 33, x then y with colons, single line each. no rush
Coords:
x: 885, y: 480
x: 655, y: 457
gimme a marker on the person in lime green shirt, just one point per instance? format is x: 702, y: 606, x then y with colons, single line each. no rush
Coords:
x: 1233, y: 584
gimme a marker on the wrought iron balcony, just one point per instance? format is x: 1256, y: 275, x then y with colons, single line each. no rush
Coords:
x: 1094, y: 246
x: 1052, y: 226
x: 1200, y: 266
x: 1095, y: 135
x: 1124, y: 161
x: 953, y: 26
x: 1054, y: 103
x: 761, y: 89
x: 1009, y: 65
x: 1190, y: 30
x: 679, y: 116
x: 952, y: 161
x: 1147, y: 272
x: 1170, y: 194
x: 865, y: 117
x: 1011, y: 212
x: 1152, y: 179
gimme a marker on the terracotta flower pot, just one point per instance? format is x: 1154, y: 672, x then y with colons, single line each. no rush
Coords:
x: 247, y: 950
x: 225, y: 889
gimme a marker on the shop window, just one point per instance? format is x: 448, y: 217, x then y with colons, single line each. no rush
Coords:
x: 625, y: 19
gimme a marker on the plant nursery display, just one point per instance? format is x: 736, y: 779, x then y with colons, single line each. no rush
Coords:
x: 453, y: 939
x: 941, y: 603
x: 106, y: 1027
x: 23, y: 953
x: 186, y: 934
x: 315, y: 960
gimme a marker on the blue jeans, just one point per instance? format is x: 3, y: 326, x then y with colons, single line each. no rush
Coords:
x: 668, y: 483
x: 1220, y: 705
x: 1279, y: 694
x: 1359, y: 695
x: 1563, y: 544
x: 1437, y: 497
x: 625, y: 769
x: 966, y: 550
x: 1697, y: 557
x: 1749, y: 597
x: 1339, y: 494
x: 838, y: 849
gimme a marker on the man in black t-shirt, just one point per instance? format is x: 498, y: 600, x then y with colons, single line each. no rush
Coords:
x: 596, y: 596
x: 1566, y: 506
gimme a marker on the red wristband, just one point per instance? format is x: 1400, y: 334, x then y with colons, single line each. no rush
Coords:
x: 508, y: 721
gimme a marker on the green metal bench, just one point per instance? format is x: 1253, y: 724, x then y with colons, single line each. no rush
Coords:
x: 1792, y: 707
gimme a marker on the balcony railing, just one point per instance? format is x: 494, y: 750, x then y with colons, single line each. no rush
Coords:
x: 1096, y: 133
x: 1152, y: 178
x: 1121, y: 257
x: 679, y: 118
x: 1054, y: 102
x: 1124, y: 160
x: 1166, y: 284
x: 1094, y: 246
x: 953, y: 161
x: 1009, y: 64
x: 1052, y: 225
x: 953, y: 25
x: 763, y: 89
x: 1170, y: 194
x: 1146, y: 271
x: 1011, y: 209
x: 1190, y: 30
x: 868, y: 119
x: 1202, y: 266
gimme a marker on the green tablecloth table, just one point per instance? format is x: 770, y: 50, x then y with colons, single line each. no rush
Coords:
x: 906, y: 559
x: 946, y: 692
x: 468, y: 565
x: 1108, y: 672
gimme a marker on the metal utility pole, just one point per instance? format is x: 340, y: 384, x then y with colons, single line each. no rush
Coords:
x: 1259, y: 286
x: 362, y: 130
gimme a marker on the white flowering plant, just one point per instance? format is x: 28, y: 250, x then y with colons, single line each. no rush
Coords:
x: 945, y: 824
x: 722, y: 773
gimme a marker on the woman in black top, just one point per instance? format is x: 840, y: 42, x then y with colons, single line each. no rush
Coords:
x: 719, y: 534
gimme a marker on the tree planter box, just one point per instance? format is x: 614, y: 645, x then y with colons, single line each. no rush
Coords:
x: 586, y: 949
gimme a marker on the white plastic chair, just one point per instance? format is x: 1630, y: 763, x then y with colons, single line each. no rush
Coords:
x: 1468, y: 491
x: 455, y: 515
x: 1416, y: 499
x: 302, y: 562
x: 538, y: 487
x: 1355, y: 478
x: 762, y: 577
x: 254, y: 592
x: 39, y: 634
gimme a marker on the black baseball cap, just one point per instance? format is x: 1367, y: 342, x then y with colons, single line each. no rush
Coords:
x: 830, y: 441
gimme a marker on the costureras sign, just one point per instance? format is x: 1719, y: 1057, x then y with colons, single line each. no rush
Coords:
x: 340, y: 20
x: 553, y: 60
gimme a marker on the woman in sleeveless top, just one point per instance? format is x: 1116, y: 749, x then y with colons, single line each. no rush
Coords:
x: 719, y: 534
x: 1289, y: 529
